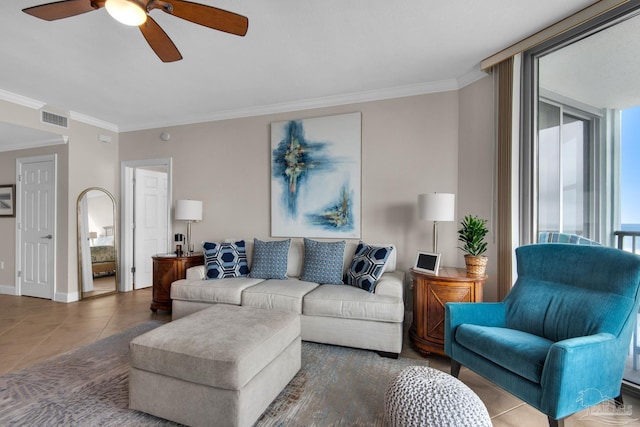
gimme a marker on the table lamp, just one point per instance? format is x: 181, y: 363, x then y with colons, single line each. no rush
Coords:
x: 190, y: 211
x: 436, y: 207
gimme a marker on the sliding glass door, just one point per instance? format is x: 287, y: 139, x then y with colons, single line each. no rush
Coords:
x: 581, y: 99
x: 564, y: 170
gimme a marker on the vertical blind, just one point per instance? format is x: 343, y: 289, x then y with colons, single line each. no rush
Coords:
x: 504, y: 76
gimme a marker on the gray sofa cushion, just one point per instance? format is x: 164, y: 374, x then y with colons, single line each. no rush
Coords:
x: 223, y: 346
x: 282, y: 295
x: 227, y: 291
x: 352, y: 303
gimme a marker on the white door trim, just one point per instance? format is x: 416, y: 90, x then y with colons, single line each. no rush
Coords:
x: 19, y: 162
x: 126, y: 213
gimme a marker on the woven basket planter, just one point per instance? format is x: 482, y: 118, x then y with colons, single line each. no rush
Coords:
x: 476, y: 265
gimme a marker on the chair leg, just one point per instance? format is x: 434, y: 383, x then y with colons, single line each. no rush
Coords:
x: 618, y: 400
x: 455, y: 368
x: 555, y: 423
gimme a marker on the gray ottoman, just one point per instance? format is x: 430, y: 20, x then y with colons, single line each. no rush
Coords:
x: 221, y: 366
x: 422, y: 396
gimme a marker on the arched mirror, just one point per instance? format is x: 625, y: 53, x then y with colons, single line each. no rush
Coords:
x: 97, y: 243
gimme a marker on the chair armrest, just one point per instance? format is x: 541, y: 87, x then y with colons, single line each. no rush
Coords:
x: 475, y: 313
x: 579, y: 371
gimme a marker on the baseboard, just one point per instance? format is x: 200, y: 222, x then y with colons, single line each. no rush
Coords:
x: 8, y: 290
x: 59, y: 296
x: 66, y: 297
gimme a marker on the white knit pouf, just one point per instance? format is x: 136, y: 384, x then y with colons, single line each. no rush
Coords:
x: 422, y: 396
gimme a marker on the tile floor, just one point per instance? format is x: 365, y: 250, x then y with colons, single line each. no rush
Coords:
x: 33, y: 330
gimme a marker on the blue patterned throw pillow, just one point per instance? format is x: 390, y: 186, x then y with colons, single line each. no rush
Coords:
x: 223, y: 260
x: 323, y: 262
x: 270, y: 259
x: 367, y: 266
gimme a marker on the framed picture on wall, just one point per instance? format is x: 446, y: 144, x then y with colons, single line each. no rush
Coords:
x: 315, y: 177
x: 427, y: 262
x: 8, y: 200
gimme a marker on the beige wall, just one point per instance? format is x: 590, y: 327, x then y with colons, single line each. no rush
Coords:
x: 409, y: 146
x: 476, y: 165
x: 437, y: 142
x: 83, y: 162
x: 91, y: 164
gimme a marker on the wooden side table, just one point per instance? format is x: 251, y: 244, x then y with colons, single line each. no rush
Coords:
x: 167, y: 270
x: 430, y: 293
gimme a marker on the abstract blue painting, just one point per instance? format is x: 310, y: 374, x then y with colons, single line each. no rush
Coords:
x: 315, y: 177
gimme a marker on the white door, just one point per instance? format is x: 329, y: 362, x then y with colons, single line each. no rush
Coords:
x: 36, y: 227
x: 151, y: 223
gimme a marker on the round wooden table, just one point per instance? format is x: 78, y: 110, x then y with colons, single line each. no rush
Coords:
x: 430, y: 293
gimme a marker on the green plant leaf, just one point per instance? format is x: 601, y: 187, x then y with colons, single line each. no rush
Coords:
x: 472, y: 233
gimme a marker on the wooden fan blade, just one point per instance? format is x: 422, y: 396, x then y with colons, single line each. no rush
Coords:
x: 159, y: 41
x: 209, y: 16
x: 63, y: 9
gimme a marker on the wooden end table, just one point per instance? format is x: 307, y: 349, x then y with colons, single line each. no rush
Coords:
x: 167, y: 270
x: 430, y: 293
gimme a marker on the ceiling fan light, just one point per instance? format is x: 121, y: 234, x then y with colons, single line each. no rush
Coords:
x: 127, y: 12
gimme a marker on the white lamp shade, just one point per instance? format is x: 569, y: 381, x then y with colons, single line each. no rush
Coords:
x: 436, y: 206
x: 188, y: 210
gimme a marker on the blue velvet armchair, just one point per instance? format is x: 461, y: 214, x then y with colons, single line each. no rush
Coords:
x: 560, y: 338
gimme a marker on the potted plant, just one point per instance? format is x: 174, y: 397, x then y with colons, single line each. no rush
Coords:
x: 472, y: 234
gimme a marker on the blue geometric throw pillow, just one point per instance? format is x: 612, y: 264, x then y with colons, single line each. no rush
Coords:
x: 270, y: 259
x: 224, y: 260
x: 323, y: 262
x: 367, y: 266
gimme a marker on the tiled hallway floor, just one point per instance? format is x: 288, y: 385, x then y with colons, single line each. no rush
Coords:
x: 33, y: 330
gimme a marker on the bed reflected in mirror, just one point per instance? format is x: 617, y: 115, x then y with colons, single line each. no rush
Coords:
x: 97, y: 243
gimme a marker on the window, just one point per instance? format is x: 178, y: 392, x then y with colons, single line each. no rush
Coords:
x: 581, y: 137
x: 566, y: 196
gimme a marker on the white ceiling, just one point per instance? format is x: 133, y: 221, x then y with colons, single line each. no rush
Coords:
x: 296, y: 55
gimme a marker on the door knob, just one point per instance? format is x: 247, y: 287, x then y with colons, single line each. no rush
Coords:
x: 48, y: 236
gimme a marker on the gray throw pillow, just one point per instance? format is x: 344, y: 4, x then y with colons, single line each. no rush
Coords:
x: 323, y: 262
x: 270, y: 259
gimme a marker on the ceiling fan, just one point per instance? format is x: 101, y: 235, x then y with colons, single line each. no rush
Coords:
x: 136, y: 13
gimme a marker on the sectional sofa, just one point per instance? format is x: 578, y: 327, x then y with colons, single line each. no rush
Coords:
x: 363, y: 315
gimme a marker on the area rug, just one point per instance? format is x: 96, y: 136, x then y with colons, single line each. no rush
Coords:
x: 336, y: 386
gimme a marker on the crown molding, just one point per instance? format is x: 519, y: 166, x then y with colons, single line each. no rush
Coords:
x: 329, y: 101
x: 14, y: 98
x: 58, y: 140
x: 262, y: 110
x: 471, y: 77
x: 83, y: 118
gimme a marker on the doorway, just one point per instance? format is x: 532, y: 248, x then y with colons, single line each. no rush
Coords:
x: 146, y: 218
x: 36, y: 229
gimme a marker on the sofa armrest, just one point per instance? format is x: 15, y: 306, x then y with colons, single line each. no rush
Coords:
x: 475, y: 313
x: 196, y: 273
x: 580, y: 372
x: 391, y: 284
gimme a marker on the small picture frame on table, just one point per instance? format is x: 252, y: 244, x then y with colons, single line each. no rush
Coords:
x: 427, y: 262
x: 7, y: 200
